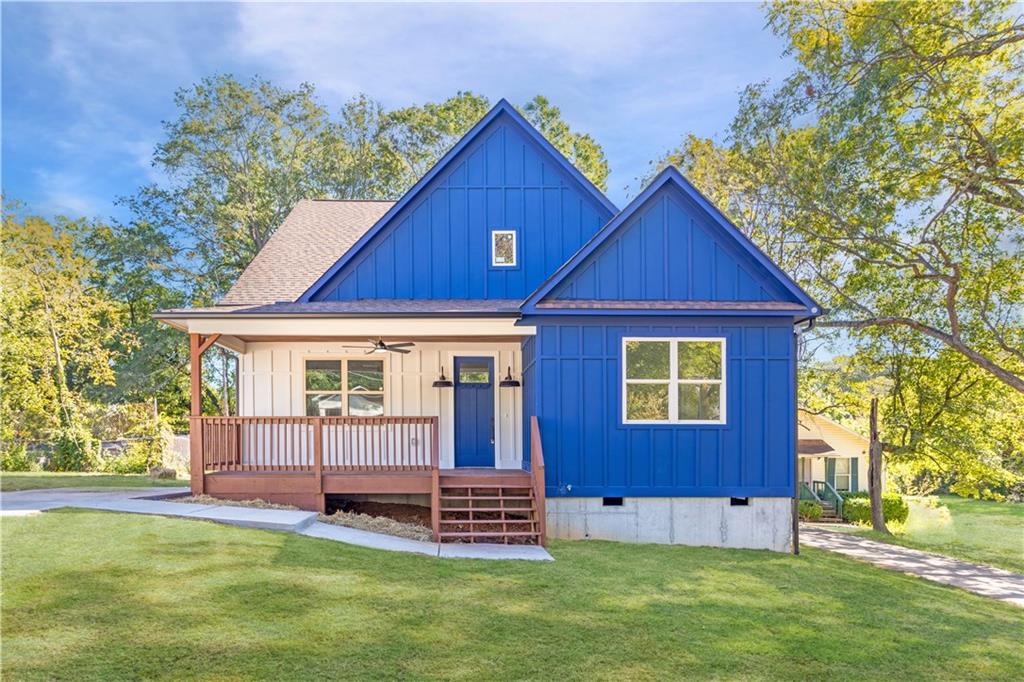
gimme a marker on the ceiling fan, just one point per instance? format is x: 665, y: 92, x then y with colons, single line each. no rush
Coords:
x: 378, y: 346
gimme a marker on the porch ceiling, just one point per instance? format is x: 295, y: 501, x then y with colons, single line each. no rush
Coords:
x: 236, y: 331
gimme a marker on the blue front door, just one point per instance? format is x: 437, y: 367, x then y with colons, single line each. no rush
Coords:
x: 474, y: 412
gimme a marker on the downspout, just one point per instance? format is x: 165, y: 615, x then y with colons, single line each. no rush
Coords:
x: 796, y: 433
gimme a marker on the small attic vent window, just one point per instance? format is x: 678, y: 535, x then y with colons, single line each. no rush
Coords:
x: 503, y: 248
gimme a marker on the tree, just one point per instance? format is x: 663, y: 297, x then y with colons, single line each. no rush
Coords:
x: 942, y: 423
x: 885, y: 173
x: 892, y: 164
x: 580, y: 148
x: 239, y: 156
x: 57, y: 335
x: 875, y: 447
x: 135, y: 263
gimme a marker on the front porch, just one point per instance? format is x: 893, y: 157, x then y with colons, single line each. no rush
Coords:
x: 373, y: 406
x: 302, y: 460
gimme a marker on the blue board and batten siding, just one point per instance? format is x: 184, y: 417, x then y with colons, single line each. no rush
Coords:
x: 587, y: 278
x: 668, y: 245
x: 438, y: 246
x: 670, y: 250
x: 575, y: 365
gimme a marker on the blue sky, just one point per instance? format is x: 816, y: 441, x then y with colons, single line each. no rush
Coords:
x: 86, y: 86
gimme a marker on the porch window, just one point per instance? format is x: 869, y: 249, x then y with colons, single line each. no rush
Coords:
x: 842, y: 479
x: 344, y: 387
x: 503, y: 248
x: 674, y: 380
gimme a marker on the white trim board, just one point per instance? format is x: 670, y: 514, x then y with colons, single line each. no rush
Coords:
x: 673, y: 395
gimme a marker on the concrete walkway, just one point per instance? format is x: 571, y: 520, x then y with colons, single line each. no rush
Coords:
x: 153, y: 501
x: 987, y: 581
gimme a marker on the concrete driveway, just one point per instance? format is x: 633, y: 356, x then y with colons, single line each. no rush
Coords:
x: 987, y: 581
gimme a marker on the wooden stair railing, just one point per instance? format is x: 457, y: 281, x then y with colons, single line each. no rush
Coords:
x: 498, y: 506
x: 537, y: 474
x: 435, y: 485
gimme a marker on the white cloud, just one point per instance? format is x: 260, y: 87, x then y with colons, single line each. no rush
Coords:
x: 412, y: 51
x: 639, y: 76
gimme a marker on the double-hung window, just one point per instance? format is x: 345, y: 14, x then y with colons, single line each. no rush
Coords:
x: 842, y: 477
x: 673, y: 381
x: 344, y: 387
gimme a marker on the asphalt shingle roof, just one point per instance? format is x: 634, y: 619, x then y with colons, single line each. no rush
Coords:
x: 360, y: 307
x: 310, y: 240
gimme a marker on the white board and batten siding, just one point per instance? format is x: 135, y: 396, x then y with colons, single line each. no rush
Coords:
x: 271, y: 383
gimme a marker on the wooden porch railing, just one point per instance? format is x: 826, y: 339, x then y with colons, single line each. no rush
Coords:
x: 537, y: 476
x: 327, y: 444
x: 823, y: 490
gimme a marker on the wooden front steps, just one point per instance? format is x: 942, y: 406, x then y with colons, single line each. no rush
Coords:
x: 488, y: 506
x: 828, y: 512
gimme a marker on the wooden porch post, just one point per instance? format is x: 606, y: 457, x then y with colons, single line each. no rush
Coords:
x: 197, y: 345
x: 318, y: 464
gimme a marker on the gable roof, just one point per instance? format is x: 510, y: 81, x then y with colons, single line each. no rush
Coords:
x: 670, y: 176
x: 315, y: 234
x: 503, y: 107
x: 840, y: 440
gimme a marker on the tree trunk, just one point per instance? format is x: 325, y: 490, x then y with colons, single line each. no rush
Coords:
x: 875, y: 473
x: 59, y: 376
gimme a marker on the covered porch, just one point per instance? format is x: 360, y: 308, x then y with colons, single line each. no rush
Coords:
x: 326, y: 415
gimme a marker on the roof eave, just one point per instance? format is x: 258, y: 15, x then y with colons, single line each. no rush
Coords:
x: 663, y: 312
x: 165, y: 316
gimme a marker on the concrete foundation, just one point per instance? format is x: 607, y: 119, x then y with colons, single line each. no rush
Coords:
x: 764, y: 523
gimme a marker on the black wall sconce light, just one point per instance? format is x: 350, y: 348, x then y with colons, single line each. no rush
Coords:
x: 443, y: 381
x: 508, y: 381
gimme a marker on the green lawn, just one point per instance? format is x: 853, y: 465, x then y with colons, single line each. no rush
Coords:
x: 975, y: 530
x: 33, y: 480
x: 93, y: 595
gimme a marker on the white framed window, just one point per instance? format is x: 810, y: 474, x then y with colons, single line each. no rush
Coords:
x: 344, y: 387
x: 842, y: 479
x: 503, y: 248
x: 673, y: 380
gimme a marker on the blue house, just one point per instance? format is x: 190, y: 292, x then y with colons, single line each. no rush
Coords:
x: 506, y: 347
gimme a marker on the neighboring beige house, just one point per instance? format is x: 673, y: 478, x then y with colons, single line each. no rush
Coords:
x: 832, y: 453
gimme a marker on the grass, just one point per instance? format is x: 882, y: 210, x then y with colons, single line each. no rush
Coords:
x: 93, y: 595
x: 35, y: 480
x: 976, y: 530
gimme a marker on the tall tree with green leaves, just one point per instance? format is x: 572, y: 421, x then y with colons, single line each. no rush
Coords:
x: 886, y: 174
x: 58, y: 333
x: 581, y: 149
x: 892, y: 164
x: 135, y: 263
x: 240, y: 155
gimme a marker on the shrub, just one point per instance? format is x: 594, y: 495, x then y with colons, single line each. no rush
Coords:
x: 809, y: 510
x: 15, y: 458
x: 857, y: 508
x: 72, y: 449
x: 137, y: 458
